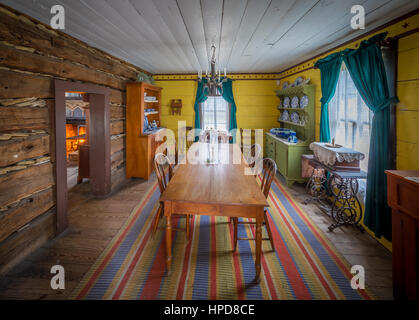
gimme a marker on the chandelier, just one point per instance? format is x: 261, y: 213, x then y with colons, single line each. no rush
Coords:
x: 214, y: 83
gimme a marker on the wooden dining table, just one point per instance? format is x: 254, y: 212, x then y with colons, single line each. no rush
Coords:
x: 216, y: 189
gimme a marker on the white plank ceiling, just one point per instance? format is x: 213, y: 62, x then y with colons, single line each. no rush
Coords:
x: 175, y: 36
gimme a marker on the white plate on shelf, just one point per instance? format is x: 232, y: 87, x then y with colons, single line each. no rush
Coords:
x: 285, y: 115
x: 285, y: 85
x: 286, y: 103
x: 294, y: 102
x: 298, y: 81
x: 303, y: 102
x: 295, y: 117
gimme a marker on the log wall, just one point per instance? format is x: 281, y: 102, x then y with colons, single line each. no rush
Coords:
x: 32, y: 55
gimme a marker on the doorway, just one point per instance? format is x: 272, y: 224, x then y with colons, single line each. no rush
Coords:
x: 97, y: 156
x: 77, y: 128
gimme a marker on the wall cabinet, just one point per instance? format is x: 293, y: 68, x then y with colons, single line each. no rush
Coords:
x: 141, y: 142
x: 288, y: 155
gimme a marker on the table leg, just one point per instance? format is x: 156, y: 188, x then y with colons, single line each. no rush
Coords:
x: 167, y: 213
x: 259, y: 221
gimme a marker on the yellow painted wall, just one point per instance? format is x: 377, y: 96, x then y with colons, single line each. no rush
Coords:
x: 407, y: 115
x: 255, y: 99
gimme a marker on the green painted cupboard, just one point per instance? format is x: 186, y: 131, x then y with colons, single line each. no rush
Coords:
x: 288, y: 155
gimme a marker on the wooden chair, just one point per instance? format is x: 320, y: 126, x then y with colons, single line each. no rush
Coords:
x: 268, y: 174
x: 252, y: 154
x: 161, y: 166
x: 243, y: 133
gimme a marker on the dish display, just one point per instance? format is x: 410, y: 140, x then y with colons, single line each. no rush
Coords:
x: 285, y: 85
x: 295, y: 117
x: 298, y: 81
x: 286, y: 103
x: 294, y: 102
x: 285, y: 116
x: 303, y: 102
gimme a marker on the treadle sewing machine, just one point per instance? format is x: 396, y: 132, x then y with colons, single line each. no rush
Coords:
x: 334, y: 175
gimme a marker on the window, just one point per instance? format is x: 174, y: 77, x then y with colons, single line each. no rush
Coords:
x: 215, y: 114
x: 350, y: 119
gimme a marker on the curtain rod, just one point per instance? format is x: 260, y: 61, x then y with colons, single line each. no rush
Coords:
x: 388, y: 43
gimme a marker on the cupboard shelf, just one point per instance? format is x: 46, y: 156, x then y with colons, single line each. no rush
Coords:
x: 141, y: 144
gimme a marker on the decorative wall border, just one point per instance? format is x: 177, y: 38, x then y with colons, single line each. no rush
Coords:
x: 234, y: 76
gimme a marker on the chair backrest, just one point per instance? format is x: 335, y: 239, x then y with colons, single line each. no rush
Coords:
x: 268, y: 174
x: 204, y: 136
x: 161, y: 164
x: 253, y: 154
x: 245, y: 134
x: 223, y: 137
x: 188, y: 143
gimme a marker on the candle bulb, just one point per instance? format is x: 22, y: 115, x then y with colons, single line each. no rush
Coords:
x: 225, y: 72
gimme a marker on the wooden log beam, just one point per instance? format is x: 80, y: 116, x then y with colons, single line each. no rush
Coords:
x: 117, y: 127
x: 20, y: 244
x: 15, y: 150
x: 117, y: 144
x: 17, y: 185
x: 27, y: 61
x: 27, y: 210
x: 21, y: 85
x: 14, y: 118
x: 17, y: 30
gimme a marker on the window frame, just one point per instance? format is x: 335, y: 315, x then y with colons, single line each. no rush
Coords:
x: 228, y: 108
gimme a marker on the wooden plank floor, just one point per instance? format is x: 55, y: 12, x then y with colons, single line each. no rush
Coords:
x: 92, y: 225
x: 94, y: 222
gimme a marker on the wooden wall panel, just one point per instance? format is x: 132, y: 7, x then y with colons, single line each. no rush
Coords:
x: 15, y: 150
x: 23, y: 183
x: 16, y: 217
x: 32, y: 57
x: 32, y: 62
x: 23, y: 118
x: 27, y: 240
x: 20, y: 31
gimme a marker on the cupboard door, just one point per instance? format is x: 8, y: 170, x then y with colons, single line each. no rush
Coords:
x: 270, y: 147
x: 282, y: 158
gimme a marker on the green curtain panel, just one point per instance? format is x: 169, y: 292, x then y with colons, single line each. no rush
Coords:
x: 228, y: 96
x: 366, y: 67
x: 201, y: 96
x: 329, y: 75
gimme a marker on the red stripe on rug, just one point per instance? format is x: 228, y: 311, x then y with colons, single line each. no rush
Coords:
x: 155, y: 276
x: 291, y: 270
x: 182, y: 280
x: 266, y: 270
x: 213, y: 274
x: 114, y: 247
x: 304, y: 250
x: 319, y: 237
x: 236, y: 263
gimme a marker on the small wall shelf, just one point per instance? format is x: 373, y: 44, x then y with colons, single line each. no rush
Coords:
x: 291, y: 123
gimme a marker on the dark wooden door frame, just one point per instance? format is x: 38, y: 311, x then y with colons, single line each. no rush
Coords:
x: 99, y: 141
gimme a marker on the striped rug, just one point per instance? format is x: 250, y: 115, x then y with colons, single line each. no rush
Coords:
x: 305, y: 264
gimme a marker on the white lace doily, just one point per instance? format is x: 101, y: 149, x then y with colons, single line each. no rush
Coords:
x: 329, y: 156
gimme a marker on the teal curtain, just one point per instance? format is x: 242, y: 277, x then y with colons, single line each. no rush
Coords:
x: 201, y: 96
x: 366, y: 67
x: 329, y: 73
x: 228, y: 96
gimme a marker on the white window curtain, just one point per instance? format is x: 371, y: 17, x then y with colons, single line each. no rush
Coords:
x: 350, y: 119
x: 215, y: 112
